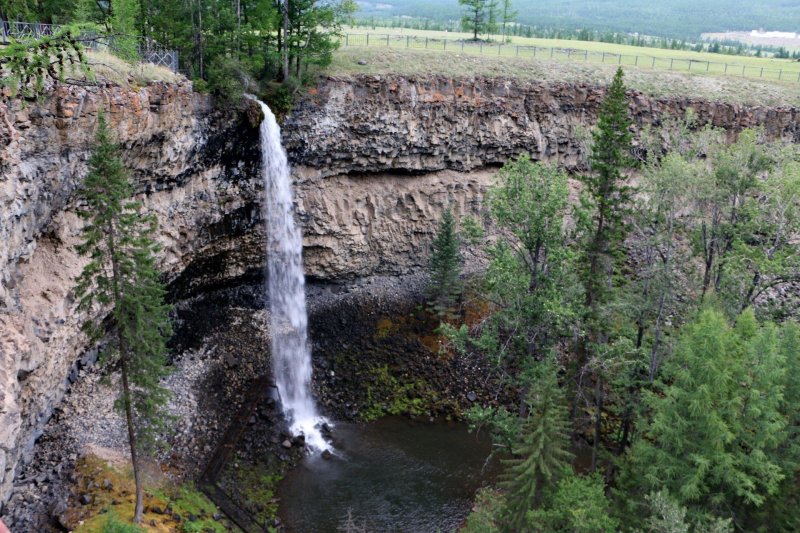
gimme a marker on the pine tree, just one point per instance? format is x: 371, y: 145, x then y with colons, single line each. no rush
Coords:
x: 475, y: 17
x: 509, y: 16
x: 542, y: 455
x: 607, y: 196
x: 605, y: 204
x: 445, y: 267
x: 121, y: 277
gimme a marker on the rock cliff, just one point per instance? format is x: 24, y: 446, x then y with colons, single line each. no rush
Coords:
x: 376, y: 160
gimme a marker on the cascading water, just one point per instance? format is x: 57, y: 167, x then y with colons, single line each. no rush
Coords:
x: 291, y: 354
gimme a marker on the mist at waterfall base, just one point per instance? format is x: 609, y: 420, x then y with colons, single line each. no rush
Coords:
x: 291, y: 353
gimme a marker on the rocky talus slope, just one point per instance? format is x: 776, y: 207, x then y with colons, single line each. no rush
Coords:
x: 376, y: 160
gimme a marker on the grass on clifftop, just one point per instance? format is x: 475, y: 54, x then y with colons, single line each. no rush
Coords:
x: 384, y: 61
x: 108, y: 67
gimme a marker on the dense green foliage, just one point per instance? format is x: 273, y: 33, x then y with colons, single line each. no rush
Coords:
x: 674, y: 18
x: 445, y: 268
x: 232, y: 44
x: 672, y: 343
x: 24, y: 66
x: 121, y: 277
x: 540, y: 455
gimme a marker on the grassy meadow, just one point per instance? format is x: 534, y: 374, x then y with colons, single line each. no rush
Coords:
x: 659, y: 83
x: 570, y: 51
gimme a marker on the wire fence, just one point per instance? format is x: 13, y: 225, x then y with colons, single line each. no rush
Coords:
x: 136, y: 48
x: 790, y: 74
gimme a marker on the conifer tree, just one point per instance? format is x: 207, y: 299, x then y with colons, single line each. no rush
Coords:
x: 542, y: 455
x: 602, y: 220
x: 121, y: 277
x: 607, y: 196
x: 717, y: 426
x: 445, y: 267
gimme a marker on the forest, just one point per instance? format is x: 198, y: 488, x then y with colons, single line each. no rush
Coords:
x: 641, y: 313
x: 673, y: 18
x: 224, y: 45
x: 651, y: 319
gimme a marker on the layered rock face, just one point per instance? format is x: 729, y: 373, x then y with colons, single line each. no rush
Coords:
x: 378, y: 158
x: 178, y: 158
x: 376, y: 161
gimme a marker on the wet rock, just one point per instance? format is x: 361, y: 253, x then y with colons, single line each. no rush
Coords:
x: 471, y: 396
x: 85, y: 499
x: 287, y: 444
x: 327, y: 455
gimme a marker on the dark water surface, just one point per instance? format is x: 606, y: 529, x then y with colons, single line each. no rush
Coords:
x: 392, y: 474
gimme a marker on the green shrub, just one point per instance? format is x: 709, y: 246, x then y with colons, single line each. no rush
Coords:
x: 226, y: 79
x: 115, y: 525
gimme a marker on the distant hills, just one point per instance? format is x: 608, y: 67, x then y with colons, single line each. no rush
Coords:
x: 670, y: 18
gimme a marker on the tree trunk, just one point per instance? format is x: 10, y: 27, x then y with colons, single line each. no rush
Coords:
x: 285, y: 40
x: 598, y: 422
x: 124, y: 357
x: 137, y: 515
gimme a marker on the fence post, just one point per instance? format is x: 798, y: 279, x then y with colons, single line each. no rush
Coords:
x: 481, y: 47
x: 619, y: 61
x: 636, y: 63
x: 408, y: 40
x: 462, y: 45
x: 426, y: 43
x: 761, y: 74
x: 534, y: 51
x: 743, y: 67
x: 499, y: 47
x: 586, y: 55
x: 347, y: 39
x: 368, y: 39
x: 517, y: 50
x: 671, y: 61
x: 444, y: 47
x: 780, y: 73
x: 690, y: 65
x: 653, y: 64
x: 726, y: 68
x: 708, y: 65
x: 551, y: 53
x: 569, y: 53
x: 387, y: 39
x: 604, y: 58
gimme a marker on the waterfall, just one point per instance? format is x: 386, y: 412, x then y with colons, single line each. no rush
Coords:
x: 291, y: 353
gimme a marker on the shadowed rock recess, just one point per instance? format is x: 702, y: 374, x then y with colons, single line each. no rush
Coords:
x: 375, y: 162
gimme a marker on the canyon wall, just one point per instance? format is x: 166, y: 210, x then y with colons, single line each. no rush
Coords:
x: 376, y: 160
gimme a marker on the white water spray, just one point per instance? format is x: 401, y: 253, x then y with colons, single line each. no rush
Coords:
x: 291, y: 354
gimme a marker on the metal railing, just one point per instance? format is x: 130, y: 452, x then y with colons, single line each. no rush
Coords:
x: 790, y: 74
x: 147, y: 50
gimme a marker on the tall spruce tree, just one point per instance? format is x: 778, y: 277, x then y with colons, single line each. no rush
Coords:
x: 607, y: 196
x: 121, y: 277
x: 602, y: 220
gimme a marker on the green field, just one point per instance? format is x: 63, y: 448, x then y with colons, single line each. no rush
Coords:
x: 378, y: 61
x: 783, y: 70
